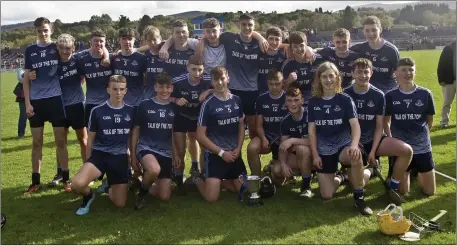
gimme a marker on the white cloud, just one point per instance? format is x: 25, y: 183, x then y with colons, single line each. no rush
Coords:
x: 71, y: 11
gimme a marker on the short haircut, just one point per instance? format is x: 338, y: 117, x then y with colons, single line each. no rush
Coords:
x: 371, y: 20
x: 341, y: 32
x: 196, y: 60
x: 211, y: 23
x: 217, y: 72
x: 127, y: 32
x: 362, y: 63
x: 274, y: 74
x: 150, y: 31
x: 97, y: 33
x: 407, y: 61
x: 178, y: 23
x: 41, y: 21
x: 245, y: 17
x: 283, y: 28
x: 275, y: 31
x: 297, y: 37
x: 66, y: 39
x: 117, y: 79
x: 293, y: 91
x: 163, y: 79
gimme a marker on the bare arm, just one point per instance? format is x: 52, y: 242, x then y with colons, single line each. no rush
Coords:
x: 282, y: 155
x: 312, y: 138
x: 143, y: 49
x: 240, y: 137
x: 355, y: 131
x: 26, y: 85
x: 90, y: 143
x: 200, y: 47
x: 262, y: 41
x: 163, y: 53
x: 430, y: 122
x: 259, y: 127
x: 386, y: 126
x: 205, y: 141
x: 133, y: 144
x: 377, y: 132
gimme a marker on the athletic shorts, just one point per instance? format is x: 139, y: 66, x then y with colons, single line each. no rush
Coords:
x: 248, y: 99
x: 367, y: 149
x: 116, y: 167
x: 183, y: 124
x: 274, y: 151
x: 330, y: 162
x: 47, y: 110
x: 216, y: 167
x: 87, y: 110
x: 423, y: 162
x: 75, y: 116
x: 165, y: 163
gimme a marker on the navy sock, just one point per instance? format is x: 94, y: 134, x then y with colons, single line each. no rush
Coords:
x: 65, y: 175
x: 306, y: 183
x: 358, y: 194
x: 394, y: 184
x: 179, y: 175
x: 87, y: 197
x: 195, y: 164
x: 59, y: 169
x: 36, y: 178
x: 144, y: 189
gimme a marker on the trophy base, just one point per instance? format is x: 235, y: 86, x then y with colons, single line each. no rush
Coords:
x: 255, y: 202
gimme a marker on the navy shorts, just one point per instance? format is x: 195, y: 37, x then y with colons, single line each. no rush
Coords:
x: 183, y: 124
x: 367, y: 149
x: 216, y: 167
x: 47, y: 110
x: 116, y: 167
x: 330, y: 162
x: 274, y: 151
x: 87, y: 110
x: 165, y: 163
x: 423, y: 162
x: 248, y: 99
x: 75, y: 116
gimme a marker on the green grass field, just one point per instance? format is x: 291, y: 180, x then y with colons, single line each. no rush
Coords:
x: 49, y: 216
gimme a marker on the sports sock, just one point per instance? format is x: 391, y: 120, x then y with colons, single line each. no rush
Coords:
x: 306, y: 181
x: 87, y: 197
x: 65, y: 175
x: 143, y: 190
x: 394, y: 184
x: 358, y: 194
x: 36, y: 178
x: 179, y: 175
x: 195, y: 165
x: 59, y: 170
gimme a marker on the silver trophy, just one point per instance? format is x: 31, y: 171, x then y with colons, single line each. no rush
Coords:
x: 253, y: 186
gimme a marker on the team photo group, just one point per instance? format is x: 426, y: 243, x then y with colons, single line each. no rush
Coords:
x: 326, y: 115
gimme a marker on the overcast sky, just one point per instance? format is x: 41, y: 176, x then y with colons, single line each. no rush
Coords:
x: 70, y: 11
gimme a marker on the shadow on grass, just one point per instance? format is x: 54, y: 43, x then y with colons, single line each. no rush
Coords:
x: 443, y: 139
x: 49, y: 144
x: 27, y: 136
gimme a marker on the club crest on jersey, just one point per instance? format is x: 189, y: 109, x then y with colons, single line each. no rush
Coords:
x: 370, y: 103
x: 127, y: 118
x: 419, y: 103
x: 134, y: 63
x: 171, y: 114
x: 72, y: 63
x: 367, y: 53
x: 284, y: 107
x: 384, y: 58
x: 341, y: 63
x: 53, y: 51
x: 236, y: 106
x: 332, y: 58
x: 337, y: 108
x: 64, y: 68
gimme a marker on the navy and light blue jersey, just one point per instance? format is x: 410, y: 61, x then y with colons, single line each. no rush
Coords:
x: 112, y: 127
x: 44, y: 60
x: 183, y: 88
x: 97, y: 77
x: 344, y: 65
x: 70, y: 82
x: 384, y: 62
x: 331, y: 117
x: 154, y: 67
x: 155, y: 120
x: 409, y: 111
x: 132, y: 67
x: 273, y: 111
x: 176, y: 65
x: 305, y: 74
x: 266, y: 63
x: 295, y: 128
x: 242, y: 61
x: 369, y: 105
x: 222, y: 120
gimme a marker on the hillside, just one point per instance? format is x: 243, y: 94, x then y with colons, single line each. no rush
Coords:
x: 17, y: 26
x: 393, y: 6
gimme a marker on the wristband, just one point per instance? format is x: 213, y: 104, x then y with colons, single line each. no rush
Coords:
x: 221, y: 153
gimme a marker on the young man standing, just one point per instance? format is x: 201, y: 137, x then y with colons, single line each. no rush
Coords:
x: 110, y: 124
x: 43, y: 100
x: 409, y: 110
x: 294, y: 152
x: 189, y: 92
x: 446, y: 78
x: 155, y: 66
x: 220, y: 131
x: 152, y: 142
x: 270, y: 109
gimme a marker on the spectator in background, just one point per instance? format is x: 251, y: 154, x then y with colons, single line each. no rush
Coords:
x: 446, y: 78
x: 19, y: 92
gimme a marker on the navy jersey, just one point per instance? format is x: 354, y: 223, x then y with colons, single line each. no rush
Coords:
x: 369, y: 105
x: 156, y: 127
x: 266, y: 63
x: 44, y: 60
x: 70, y: 82
x: 222, y: 120
x: 295, y: 128
x: 384, y: 63
x: 305, y: 74
x: 273, y: 111
x: 183, y: 88
x: 344, y: 65
x: 153, y: 68
x: 176, y: 65
x: 132, y: 67
x: 331, y: 117
x: 97, y: 77
x: 409, y: 113
x: 242, y: 61
x: 112, y: 127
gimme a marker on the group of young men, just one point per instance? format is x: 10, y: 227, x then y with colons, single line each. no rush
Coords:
x: 141, y: 103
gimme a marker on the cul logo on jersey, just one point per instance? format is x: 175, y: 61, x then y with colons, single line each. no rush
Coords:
x: 134, y: 63
x: 370, y: 103
x: 236, y: 106
x: 171, y: 114
x: 419, y: 103
x: 53, y: 51
x: 384, y: 59
x: 337, y: 108
x: 127, y: 118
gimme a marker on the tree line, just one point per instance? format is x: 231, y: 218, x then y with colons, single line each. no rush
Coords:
x: 426, y: 14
